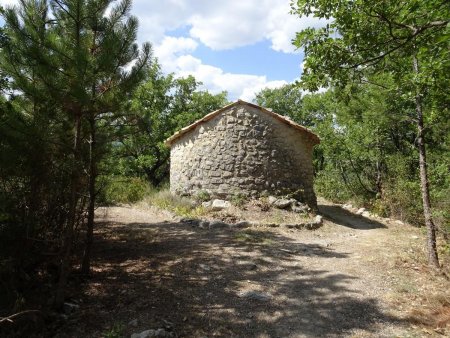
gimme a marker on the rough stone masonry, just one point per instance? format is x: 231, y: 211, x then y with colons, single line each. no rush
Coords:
x: 243, y: 149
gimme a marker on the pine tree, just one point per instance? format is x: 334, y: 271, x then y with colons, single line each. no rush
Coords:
x: 76, y: 55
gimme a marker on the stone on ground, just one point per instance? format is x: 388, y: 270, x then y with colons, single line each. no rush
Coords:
x: 272, y: 199
x: 206, y: 204
x: 282, y: 203
x: 255, y: 295
x: 300, y: 208
x: 144, y: 334
x: 218, y: 225
x: 218, y: 205
x: 366, y: 214
x: 360, y: 211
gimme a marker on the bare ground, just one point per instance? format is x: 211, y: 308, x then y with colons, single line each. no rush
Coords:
x: 354, y: 277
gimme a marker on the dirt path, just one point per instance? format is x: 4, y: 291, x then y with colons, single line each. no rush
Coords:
x: 343, y: 280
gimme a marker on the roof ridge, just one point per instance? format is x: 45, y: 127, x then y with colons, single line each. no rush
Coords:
x: 213, y: 114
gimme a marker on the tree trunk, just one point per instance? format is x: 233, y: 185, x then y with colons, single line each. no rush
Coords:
x: 151, y: 172
x: 74, y: 187
x: 378, y: 180
x: 86, y: 262
x: 71, y: 218
x: 424, y: 184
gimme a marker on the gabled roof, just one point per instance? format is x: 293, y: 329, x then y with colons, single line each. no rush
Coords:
x: 213, y: 114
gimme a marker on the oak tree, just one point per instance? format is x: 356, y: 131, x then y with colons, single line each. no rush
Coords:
x: 406, y: 38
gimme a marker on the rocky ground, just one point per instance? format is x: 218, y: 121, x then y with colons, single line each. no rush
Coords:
x: 353, y: 277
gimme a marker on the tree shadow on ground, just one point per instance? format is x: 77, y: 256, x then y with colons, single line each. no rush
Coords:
x: 343, y: 217
x: 217, y: 283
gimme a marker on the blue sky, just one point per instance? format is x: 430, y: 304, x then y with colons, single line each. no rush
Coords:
x: 233, y: 45
x: 257, y: 58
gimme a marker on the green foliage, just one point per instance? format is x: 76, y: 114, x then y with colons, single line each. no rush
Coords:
x: 401, y: 197
x: 117, y: 331
x: 286, y: 100
x: 238, y: 200
x: 203, y: 196
x: 63, y: 68
x: 362, y: 36
x: 123, y: 189
x: 329, y: 184
x: 406, y: 43
x: 159, y: 107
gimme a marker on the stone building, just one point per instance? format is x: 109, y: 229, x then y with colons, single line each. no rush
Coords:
x: 243, y: 149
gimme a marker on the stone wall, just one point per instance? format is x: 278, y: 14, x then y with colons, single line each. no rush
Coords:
x: 244, y: 151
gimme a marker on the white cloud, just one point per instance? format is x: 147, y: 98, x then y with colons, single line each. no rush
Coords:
x: 283, y: 26
x: 243, y: 86
x: 223, y: 24
x: 234, y: 24
x: 249, y: 92
x: 219, y: 25
x: 170, y: 48
x: 174, y: 57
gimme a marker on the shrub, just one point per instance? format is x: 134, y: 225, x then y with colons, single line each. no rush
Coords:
x: 203, y: 196
x: 329, y: 184
x: 116, y: 331
x: 118, y: 189
x: 401, y: 196
x: 402, y: 199
x: 238, y: 200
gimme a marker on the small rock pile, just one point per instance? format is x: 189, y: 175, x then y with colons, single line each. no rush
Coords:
x: 219, y: 225
x: 367, y: 214
x: 284, y: 203
x: 316, y: 223
x: 215, y: 224
x: 277, y: 202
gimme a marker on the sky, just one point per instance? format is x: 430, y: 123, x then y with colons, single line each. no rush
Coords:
x: 238, y: 46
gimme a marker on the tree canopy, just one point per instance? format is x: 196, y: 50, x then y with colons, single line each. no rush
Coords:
x: 68, y: 65
x: 406, y: 39
x: 159, y: 107
x: 362, y: 37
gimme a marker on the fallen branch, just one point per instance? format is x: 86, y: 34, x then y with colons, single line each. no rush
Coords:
x: 18, y: 314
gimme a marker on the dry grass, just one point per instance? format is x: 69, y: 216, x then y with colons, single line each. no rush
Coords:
x: 182, y: 206
x: 434, y: 313
x: 423, y: 293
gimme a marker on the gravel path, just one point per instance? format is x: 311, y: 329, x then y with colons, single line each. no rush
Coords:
x: 339, y: 281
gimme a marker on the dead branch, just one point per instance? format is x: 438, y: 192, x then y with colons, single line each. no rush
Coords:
x: 9, y: 319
